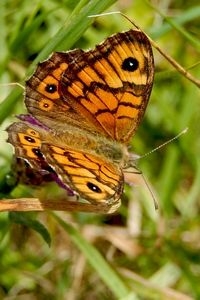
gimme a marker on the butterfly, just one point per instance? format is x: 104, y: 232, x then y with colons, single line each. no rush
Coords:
x: 83, y: 109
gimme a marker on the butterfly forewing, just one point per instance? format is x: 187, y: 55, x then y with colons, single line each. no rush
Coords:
x: 42, y: 96
x: 111, y: 84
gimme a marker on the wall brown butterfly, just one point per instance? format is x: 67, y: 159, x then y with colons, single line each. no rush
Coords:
x: 84, y: 107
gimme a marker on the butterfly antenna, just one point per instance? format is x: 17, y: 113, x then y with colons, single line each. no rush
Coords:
x: 159, y: 147
x: 150, y: 191
x: 164, y: 144
x: 131, y: 181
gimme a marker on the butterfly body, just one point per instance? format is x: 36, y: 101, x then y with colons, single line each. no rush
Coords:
x: 84, y: 107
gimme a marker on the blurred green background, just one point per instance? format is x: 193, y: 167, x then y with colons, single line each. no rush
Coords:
x: 147, y: 254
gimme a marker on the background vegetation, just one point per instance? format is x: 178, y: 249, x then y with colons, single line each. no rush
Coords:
x: 138, y: 253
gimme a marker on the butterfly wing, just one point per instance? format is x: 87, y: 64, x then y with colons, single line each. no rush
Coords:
x: 104, y: 90
x: 92, y: 177
x: 42, y: 96
x: 110, y: 85
x: 28, y: 166
x: 27, y: 144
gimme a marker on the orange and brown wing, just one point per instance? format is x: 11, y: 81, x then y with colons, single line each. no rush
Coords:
x: 27, y: 143
x: 93, y: 178
x: 110, y: 85
x: 42, y: 96
x: 29, y: 166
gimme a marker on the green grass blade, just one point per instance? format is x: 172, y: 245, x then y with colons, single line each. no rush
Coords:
x: 7, y: 106
x: 185, y: 33
x: 73, y: 28
x: 107, y: 274
x: 68, y: 34
x: 181, y: 19
x: 25, y: 220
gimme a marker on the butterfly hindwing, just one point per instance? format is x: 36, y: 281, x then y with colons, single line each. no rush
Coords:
x: 93, y: 178
x: 27, y: 143
x: 28, y: 166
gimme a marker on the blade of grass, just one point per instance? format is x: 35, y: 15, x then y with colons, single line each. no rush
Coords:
x: 7, y: 106
x: 168, y: 179
x: 107, y: 274
x: 68, y: 34
x: 184, y: 32
x: 33, y: 25
x: 191, y: 203
x: 26, y: 220
x: 73, y: 28
x: 186, y: 16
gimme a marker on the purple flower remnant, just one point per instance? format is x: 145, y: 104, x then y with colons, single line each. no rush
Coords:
x: 32, y: 121
x: 55, y: 178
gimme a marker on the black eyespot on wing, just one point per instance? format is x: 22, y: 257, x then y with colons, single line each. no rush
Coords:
x: 37, y: 152
x: 29, y: 139
x: 45, y: 105
x: 51, y: 88
x: 130, y: 64
x: 93, y: 187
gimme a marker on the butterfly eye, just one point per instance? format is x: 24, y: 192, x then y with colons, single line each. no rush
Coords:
x: 93, y: 187
x: 130, y: 64
x: 51, y: 88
